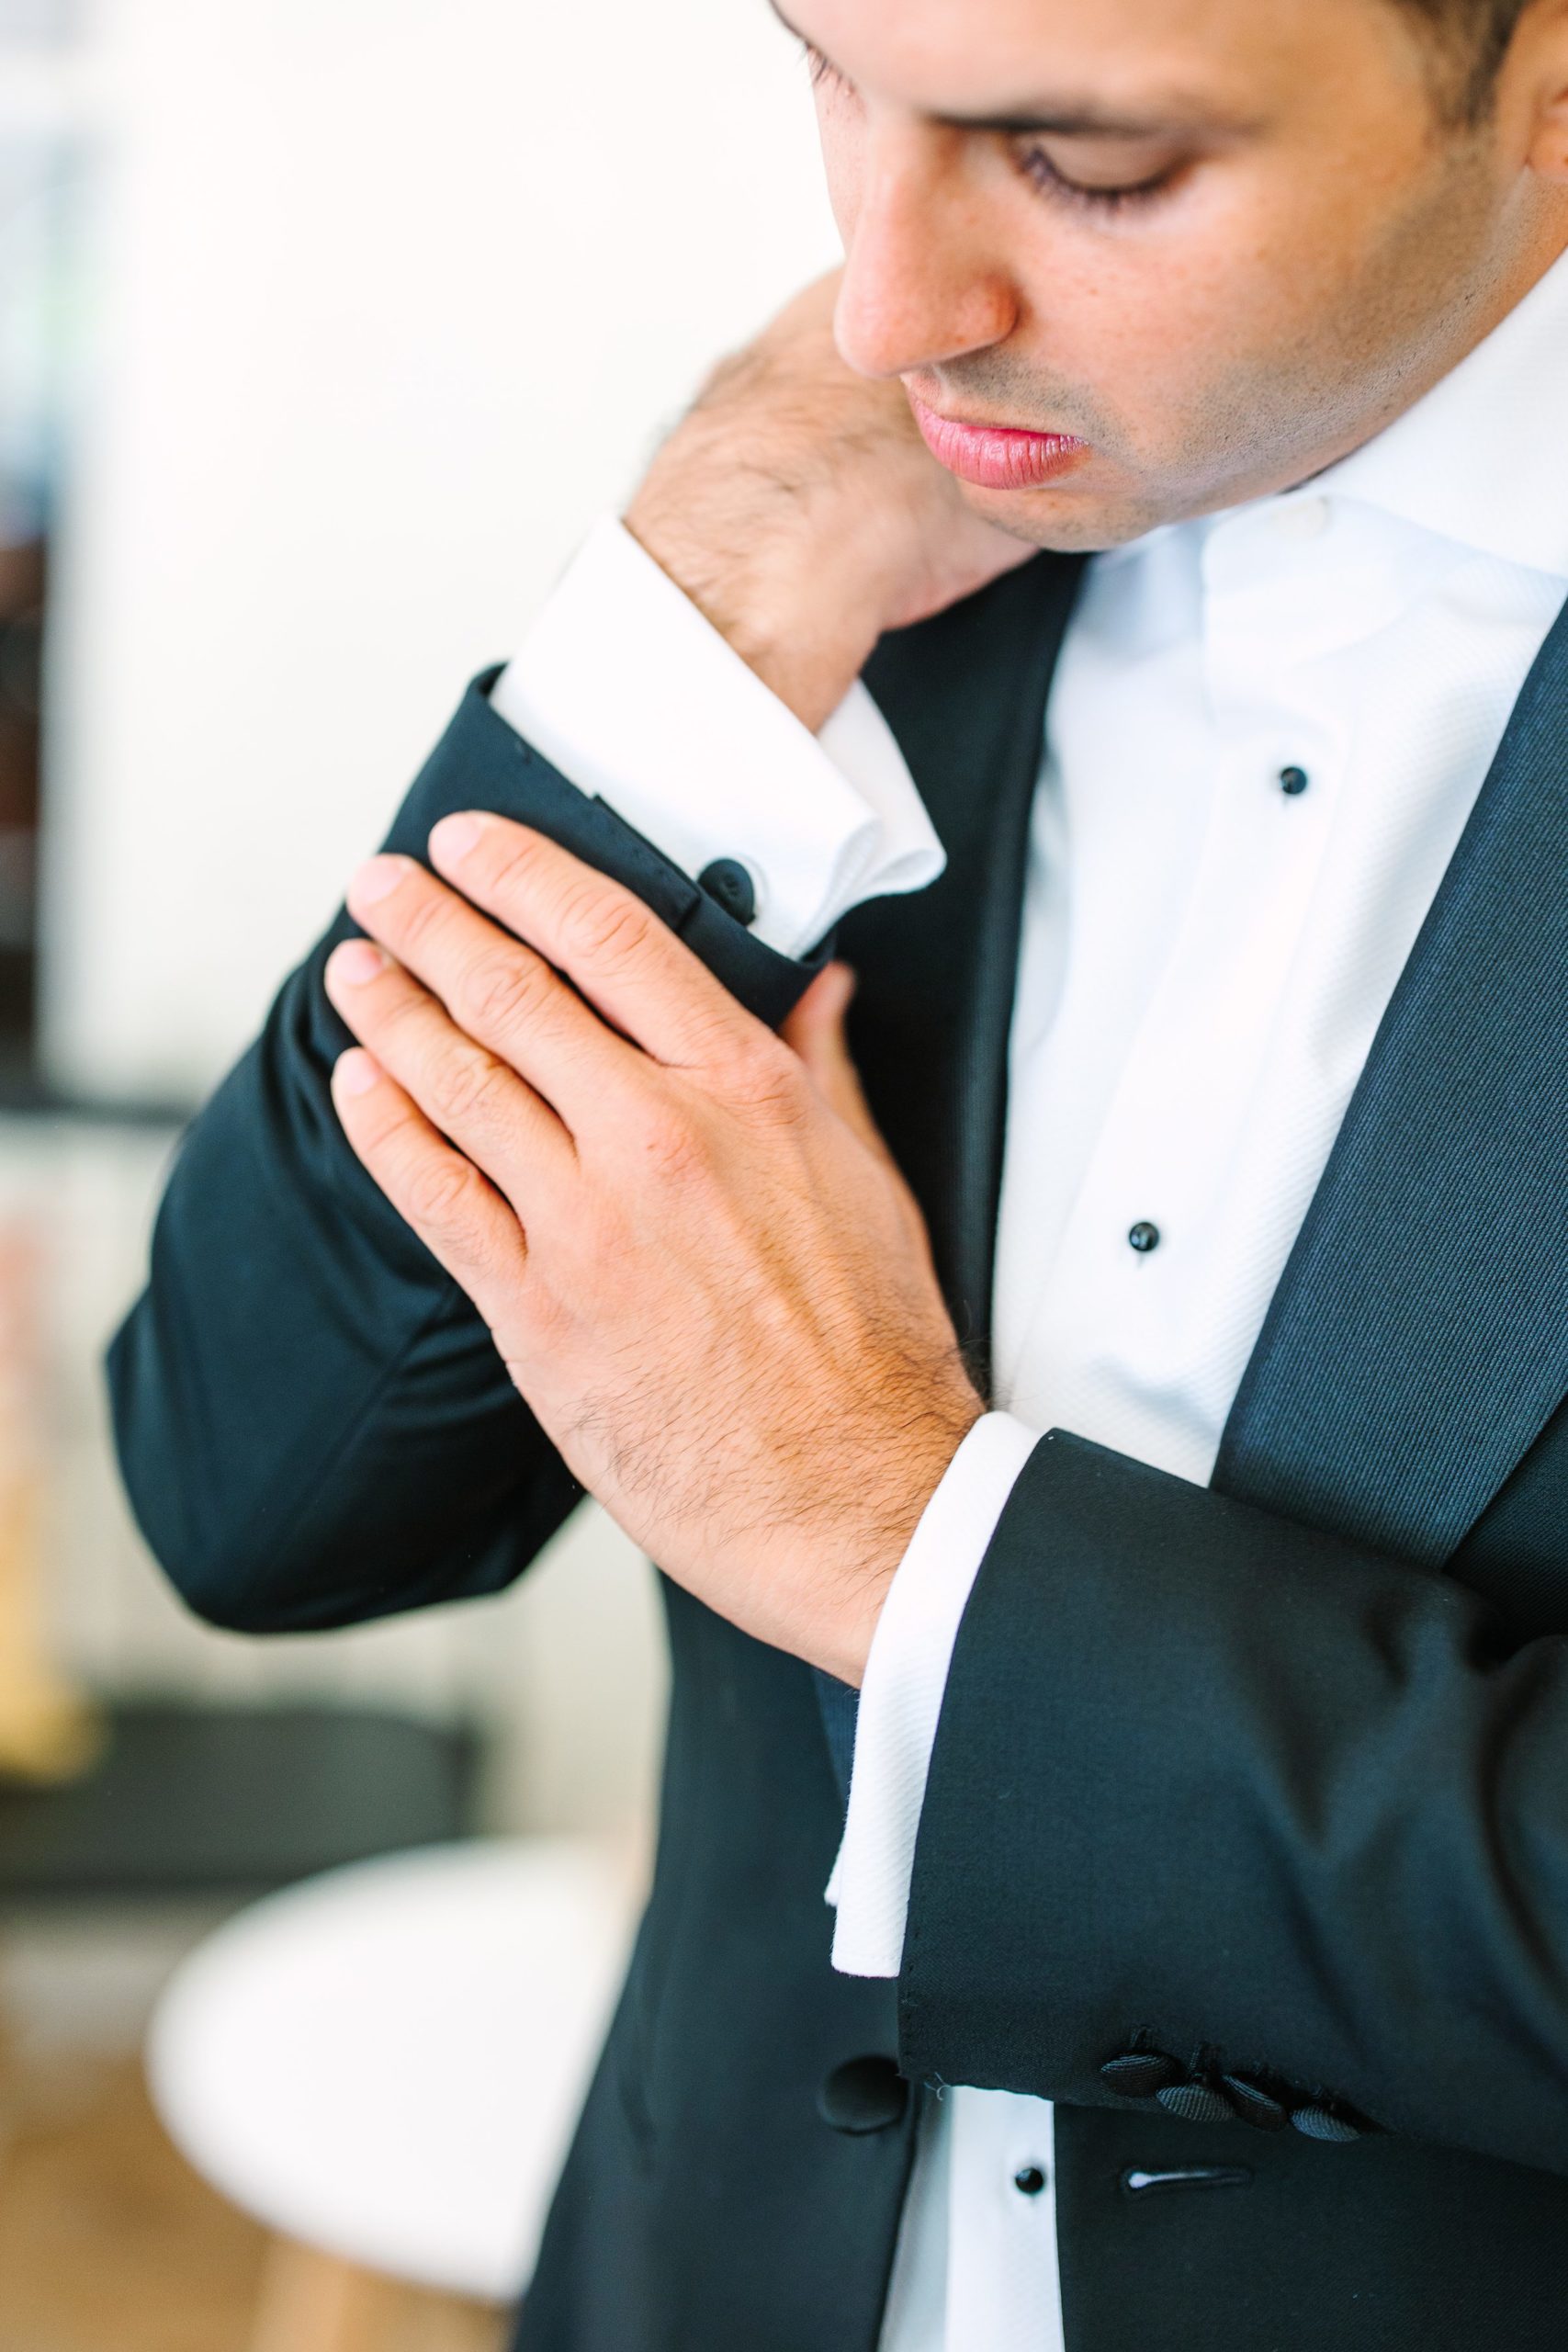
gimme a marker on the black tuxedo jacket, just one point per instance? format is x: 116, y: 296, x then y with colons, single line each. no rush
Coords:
x: 1247, y: 1832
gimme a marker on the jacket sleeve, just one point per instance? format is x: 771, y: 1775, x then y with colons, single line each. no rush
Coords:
x: 312, y: 1423
x: 1216, y: 1789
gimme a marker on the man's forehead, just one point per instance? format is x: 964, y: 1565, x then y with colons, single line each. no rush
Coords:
x: 1121, y: 65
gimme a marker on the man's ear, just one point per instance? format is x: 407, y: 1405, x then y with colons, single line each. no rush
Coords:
x: 1546, y: 28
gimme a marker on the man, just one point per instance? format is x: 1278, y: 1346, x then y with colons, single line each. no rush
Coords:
x: 1148, y: 1392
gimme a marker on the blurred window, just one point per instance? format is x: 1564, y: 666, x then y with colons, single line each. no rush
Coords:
x: 38, y: 284
x: 34, y: 20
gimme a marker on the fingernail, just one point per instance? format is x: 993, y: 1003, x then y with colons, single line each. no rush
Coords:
x: 357, y: 961
x: 376, y: 878
x: 454, y: 837
x: 356, y: 1072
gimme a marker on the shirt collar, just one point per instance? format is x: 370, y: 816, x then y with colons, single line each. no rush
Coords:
x: 1481, y: 459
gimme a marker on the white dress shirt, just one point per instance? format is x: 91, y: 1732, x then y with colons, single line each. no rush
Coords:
x: 1266, y: 731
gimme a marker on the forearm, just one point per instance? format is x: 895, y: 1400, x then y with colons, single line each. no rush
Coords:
x: 312, y: 1429
x: 313, y: 1421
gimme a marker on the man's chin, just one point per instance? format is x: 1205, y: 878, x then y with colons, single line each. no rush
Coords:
x: 1076, y: 517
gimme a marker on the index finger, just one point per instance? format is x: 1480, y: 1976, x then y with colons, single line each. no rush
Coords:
x: 629, y: 965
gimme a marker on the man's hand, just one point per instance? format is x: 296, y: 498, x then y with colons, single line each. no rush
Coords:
x: 696, y: 1258
x: 798, y: 508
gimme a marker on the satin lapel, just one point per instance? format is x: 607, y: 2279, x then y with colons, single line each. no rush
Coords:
x: 964, y: 694
x: 1419, y: 1339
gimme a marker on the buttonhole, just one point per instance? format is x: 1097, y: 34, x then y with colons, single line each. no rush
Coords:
x: 1138, y: 2183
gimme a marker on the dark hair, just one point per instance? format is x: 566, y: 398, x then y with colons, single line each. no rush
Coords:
x: 1473, y: 36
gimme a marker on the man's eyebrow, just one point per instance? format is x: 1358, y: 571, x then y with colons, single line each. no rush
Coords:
x: 1082, y: 119
x: 1068, y: 118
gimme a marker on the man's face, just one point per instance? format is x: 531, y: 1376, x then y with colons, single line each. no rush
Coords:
x: 1246, y: 240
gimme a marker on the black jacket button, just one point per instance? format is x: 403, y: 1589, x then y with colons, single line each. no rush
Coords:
x: 1139, y: 2074
x: 1254, y: 2106
x: 727, y: 880
x: 863, y: 2095
x: 1319, y: 2124
x: 1197, y: 2103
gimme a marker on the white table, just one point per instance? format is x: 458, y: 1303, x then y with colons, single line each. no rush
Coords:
x: 385, y: 2063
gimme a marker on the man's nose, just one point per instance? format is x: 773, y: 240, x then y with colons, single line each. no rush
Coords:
x: 922, y: 284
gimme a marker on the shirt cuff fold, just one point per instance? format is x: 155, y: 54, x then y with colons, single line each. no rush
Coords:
x: 627, y: 690
x: 900, y: 1699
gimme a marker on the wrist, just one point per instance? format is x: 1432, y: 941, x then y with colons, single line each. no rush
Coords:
x: 872, y: 1551
x: 804, y: 623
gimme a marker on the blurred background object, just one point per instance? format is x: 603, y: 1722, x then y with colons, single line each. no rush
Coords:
x: 326, y: 328
x: 40, y: 164
x: 50, y: 1733
x: 384, y: 2065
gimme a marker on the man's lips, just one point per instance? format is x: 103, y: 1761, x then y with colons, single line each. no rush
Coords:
x: 997, y: 457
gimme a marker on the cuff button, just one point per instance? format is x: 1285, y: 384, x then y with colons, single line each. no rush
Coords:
x: 1140, y: 2074
x: 1320, y: 2124
x: 1254, y: 2106
x: 729, y: 884
x: 863, y: 2095
x: 1197, y: 2103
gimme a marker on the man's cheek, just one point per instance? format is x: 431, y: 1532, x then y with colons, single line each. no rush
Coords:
x: 843, y: 163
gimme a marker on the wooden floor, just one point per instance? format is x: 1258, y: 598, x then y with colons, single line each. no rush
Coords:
x: 110, y: 2243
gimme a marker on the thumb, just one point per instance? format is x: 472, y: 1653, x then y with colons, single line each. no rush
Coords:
x: 816, y: 1031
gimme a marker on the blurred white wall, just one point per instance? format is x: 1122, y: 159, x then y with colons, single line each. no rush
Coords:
x: 389, y: 299
x: 392, y: 296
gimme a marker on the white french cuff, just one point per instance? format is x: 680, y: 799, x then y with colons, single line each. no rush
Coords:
x: 627, y: 688
x: 900, y: 1699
